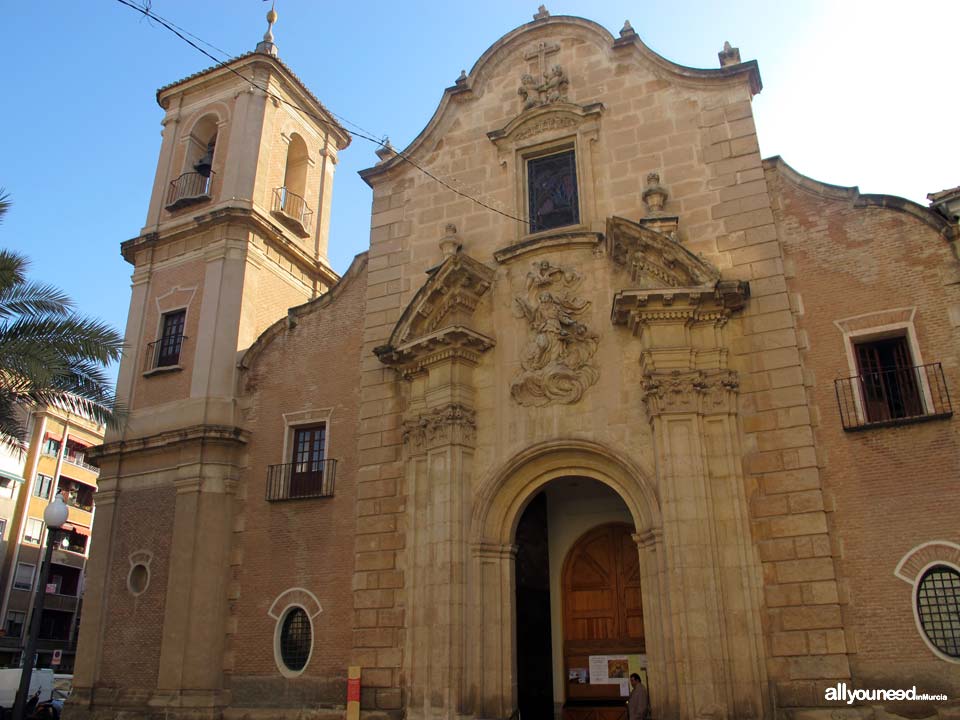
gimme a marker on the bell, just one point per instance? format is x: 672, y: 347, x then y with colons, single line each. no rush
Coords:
x: 204, y: 164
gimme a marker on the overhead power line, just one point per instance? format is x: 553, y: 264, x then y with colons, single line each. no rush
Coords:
x: 360, y: 132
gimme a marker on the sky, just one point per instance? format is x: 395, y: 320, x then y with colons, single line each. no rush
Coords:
x: 855, y: 93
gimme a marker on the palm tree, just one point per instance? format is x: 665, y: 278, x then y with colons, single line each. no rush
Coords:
x: 48, y: 353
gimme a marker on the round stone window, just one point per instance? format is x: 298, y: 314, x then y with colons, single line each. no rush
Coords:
x: 296, y: 639
x: 138, y: 579
x: 938, y: 608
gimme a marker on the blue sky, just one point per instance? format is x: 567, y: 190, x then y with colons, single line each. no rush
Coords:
x: 855, y: 93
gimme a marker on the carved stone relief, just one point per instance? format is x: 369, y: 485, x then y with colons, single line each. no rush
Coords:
x: 453, y: 423
x: 557, y: 363
x: 549, y: 86
x: 698, y: 391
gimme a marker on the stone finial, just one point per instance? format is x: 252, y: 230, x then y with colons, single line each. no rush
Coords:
x: 450, y: 243
x: 386, y: 150
x: 729, y: 55
x: 542, y: 13
x: 462, y: 80
x: 266, y: 46
x: 655, y: 196
x: 627, y: 30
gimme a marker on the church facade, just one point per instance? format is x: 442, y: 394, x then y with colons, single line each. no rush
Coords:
x: 657, y: 405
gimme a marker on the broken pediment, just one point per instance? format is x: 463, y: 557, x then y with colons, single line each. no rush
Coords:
x: 654, y: 259
x: 440, y: 313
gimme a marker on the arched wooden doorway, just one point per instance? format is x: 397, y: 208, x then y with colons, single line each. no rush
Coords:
x: 602, y: 615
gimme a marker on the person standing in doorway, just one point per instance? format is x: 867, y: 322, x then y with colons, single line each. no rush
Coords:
x: 637, y: 703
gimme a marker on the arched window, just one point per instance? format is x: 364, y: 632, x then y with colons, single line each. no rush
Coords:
x: 938, y: 608
x: 193, y: 183
x: 289, y: 201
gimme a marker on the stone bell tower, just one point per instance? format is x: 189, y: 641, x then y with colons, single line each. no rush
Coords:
x: 236, y: 233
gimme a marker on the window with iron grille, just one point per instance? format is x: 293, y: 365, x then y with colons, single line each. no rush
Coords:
x: 889, y: 381
x: 552, y: 191
x: 171, y: 338
x: 938, y: 608
x: 296, y: 639
x: 309, y: 447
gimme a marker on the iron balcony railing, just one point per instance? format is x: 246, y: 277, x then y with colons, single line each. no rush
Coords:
x: 80, y: 461
x: 189, y: 188
x: 293, y: 481
x: 893, y: 397
x: 288, y: 205
x: 165, y: 352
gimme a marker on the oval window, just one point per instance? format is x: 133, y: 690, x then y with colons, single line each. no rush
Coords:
x: 938, y: 607
x: 138, y: 579
x: 296, y: 639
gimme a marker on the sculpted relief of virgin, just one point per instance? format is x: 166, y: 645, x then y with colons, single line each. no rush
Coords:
x: 556, y: 364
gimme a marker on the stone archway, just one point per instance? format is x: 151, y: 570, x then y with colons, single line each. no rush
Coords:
x: 491, y: 632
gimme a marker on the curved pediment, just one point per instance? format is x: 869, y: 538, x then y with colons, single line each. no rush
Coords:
x: 546, y: 29
x: 545, y: 119
x: 655, y: 260
x: 445, y: 303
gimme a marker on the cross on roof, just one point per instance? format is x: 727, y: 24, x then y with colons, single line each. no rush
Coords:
x: 540, y: 53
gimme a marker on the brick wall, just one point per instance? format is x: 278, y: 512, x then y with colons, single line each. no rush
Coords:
x: 305, y: 543
x: 887, y: 489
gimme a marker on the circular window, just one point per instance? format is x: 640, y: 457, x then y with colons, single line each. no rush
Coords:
x: 938, y: 608
x: 138, y: 578
x: 296, y: 639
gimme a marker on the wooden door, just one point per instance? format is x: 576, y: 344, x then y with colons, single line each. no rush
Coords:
x: 602, y: 607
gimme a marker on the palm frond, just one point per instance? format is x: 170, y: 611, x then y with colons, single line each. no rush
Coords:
x: 33, y: 300
x: 13, y: 269
x: 4, y: 202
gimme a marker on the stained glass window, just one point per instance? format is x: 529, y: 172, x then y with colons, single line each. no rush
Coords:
x: 552, y: 187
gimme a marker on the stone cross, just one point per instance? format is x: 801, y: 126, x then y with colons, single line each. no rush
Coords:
x: 540, y: 53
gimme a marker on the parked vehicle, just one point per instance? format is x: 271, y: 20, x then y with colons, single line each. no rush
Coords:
x: 41, y: 680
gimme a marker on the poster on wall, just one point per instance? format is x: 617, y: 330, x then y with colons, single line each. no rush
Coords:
x: 616, y: 670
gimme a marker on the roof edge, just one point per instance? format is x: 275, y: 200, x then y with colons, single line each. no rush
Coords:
x: 852, y: 194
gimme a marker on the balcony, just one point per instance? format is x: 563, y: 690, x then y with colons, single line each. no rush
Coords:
x: 296, y: 481
x: 893, y: 397
x: 80, y: 461
x: 164, y: 354
x: 188, y: 189
x: 292, y: 211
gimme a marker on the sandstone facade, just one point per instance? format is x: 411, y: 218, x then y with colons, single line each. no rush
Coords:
x: 664, y: 357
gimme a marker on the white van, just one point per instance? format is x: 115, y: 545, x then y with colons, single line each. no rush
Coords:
x: 41, y: 680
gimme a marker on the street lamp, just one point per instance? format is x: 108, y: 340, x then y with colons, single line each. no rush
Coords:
x: 54, y: 516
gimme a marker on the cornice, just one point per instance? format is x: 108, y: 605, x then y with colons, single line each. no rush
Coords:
x: 251, y: 218
x: 226, y: 434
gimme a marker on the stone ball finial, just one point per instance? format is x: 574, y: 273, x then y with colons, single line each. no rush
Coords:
x: 272, y: 16
x: 450, y: 243
x: 266, y: 46
x: 627, y: 30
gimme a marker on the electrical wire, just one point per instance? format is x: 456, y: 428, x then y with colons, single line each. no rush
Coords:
x: 365, y: 134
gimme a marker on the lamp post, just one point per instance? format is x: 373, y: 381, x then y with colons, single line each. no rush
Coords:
x: 54, y: 516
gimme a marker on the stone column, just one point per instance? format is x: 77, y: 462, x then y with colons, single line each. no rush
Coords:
x: 492, y: 680
x: 439, y: 433
x: 708, y: 660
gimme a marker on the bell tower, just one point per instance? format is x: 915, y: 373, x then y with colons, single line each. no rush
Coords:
x: 236, y: 233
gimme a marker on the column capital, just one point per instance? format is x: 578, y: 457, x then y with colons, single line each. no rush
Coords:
x: 701, y: 392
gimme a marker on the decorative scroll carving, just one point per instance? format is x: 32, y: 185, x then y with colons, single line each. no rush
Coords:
x: 449, y: 424
x: 654, y: 259
x: 557, y: 363
x: 697, y: 391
